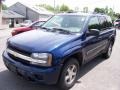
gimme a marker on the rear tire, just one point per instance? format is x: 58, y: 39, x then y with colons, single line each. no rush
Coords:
x: 69, y: 74
x: 107, y: 54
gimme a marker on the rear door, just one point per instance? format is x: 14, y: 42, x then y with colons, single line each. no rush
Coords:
x: 94, y: 45
x: 106, y: 30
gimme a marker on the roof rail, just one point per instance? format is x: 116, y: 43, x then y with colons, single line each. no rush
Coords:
x: 72, y: 12
x: 98, y: 13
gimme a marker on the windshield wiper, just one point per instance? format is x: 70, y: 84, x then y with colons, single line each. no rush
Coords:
x: 62, y: 30
x: 45, y: 28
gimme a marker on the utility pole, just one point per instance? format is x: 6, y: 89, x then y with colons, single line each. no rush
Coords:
x: 0, y: 6
x: 54, y: 6
x: 0, y: 13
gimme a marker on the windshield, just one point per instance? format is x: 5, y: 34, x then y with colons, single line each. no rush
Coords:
x: 71, y: 23
x: 27, y: 21
x: 117, y: 20
x: 37, y: 23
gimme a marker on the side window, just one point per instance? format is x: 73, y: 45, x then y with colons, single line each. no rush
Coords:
x: 102, y: 23
x: 94, y: 23
x: 109, y: 22
x: 105, y: 22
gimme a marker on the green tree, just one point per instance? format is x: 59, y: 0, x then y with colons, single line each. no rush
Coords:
x: 106, y: 9
x: 117, y: 15
x: 99, y: 10
x: 111, y: 12
x: 4, y: 7
x: 64, y: 8
x: 57, y: 9
x: 48, y: 7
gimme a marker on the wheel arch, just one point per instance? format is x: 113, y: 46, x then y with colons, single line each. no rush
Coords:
x: 78, y: 56
x: 112, y: 39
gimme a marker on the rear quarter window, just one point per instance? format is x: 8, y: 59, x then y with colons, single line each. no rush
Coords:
x: 109, y: 22
x: 102, y: 22
x: 105, y: 22
x: 93, y: 23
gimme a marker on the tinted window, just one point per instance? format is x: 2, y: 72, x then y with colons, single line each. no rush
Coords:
x: 103, y: 23
x: 93, y: 23
x: 109, y: 22
x: 117, y: 20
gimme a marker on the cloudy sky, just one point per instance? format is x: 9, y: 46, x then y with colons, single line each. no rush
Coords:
x: 115, y: 4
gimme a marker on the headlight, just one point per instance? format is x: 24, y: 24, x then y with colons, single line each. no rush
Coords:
x: 43, y: 59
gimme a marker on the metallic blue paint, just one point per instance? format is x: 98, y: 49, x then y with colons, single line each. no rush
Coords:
x: 59, y: 45
x: 42, y: 75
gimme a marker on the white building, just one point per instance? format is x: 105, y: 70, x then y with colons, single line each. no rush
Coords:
x: 11, y: 18
x: 30, y: 12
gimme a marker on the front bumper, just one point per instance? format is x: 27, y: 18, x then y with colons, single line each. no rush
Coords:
x: 43, y: 75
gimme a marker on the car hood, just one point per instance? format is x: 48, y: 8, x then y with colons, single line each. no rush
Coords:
x: 21, y: 28
x: 25, y: 24
x: 40, y: 41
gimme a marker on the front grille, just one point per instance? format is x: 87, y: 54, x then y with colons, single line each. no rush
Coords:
x: 24, y: 62
x: 19, y: 59
x: 20, y: 56
x: 18, y: 50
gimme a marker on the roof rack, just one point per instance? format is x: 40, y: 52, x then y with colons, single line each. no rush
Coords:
x: 98, y: 13
x: 72, y: 12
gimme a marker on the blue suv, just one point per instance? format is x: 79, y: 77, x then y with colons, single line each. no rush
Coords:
x: 54, y: 53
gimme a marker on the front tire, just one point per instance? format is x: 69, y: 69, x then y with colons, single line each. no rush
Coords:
x: 69, y: 74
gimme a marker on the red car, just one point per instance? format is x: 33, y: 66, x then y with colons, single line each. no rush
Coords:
x: 33, y: 26
x: 117, y: 23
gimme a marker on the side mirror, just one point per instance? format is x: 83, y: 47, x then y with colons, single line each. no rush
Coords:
x: 94, y: 32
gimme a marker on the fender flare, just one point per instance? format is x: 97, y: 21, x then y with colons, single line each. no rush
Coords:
x: 72, y: 51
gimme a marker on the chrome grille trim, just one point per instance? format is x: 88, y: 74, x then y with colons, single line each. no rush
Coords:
x: 16, y: 54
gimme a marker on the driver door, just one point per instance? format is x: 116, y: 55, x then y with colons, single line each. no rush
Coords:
x: 92, y: 43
